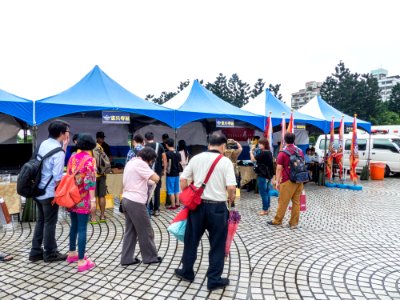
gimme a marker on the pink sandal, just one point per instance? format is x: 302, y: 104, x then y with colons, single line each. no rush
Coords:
x: 88, y: 266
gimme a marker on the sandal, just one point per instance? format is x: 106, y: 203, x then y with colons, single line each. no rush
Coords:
x: 87, y: 266
x: 5, y: 257
x: 93, y: 222
x: 263, y: 213
x: 103, y: 220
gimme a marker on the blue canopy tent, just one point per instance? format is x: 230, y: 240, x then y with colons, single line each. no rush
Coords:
x: 95, y: 92
x: 195, y: 102
x: 318, y: 108
x: 266, y: 102
x: 16, y: 106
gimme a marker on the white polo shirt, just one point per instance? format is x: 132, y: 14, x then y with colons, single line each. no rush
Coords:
x: 222, y: 176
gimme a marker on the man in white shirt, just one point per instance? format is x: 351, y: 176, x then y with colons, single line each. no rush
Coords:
x: 52, y: 172
x: 211, y: 214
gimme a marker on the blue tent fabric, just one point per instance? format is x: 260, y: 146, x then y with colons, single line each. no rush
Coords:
x: 266, y: 102
x: 319, y: 108
x: 16, y: 106
x: 97, y: 91
x: 195, y: 102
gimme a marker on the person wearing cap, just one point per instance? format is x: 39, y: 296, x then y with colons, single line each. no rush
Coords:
x: 101, y: 179
x: 100, y: 140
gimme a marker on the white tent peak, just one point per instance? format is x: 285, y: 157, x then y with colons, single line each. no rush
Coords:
x: 177, y: 101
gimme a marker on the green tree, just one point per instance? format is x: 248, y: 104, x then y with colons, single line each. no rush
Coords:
x: 233, y: 90
x: 353, y: 93
x: 165, y: 96
x: 274, y: 89
x: 387, y: 117
x: 219, y: 87
x: 258, y: 88
x: 239, y: 91
x: 394, y: 100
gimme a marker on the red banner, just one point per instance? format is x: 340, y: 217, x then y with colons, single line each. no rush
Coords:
x: 238, y: 134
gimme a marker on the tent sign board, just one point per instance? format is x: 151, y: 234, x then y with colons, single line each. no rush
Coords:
x: 115, y: 117
x: 238, y: 134
x: 225, y: 123
x: 299, y: 126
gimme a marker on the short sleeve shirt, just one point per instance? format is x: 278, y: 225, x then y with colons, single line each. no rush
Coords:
x: 284, y: 161
x: 158, y: 168
x: 173, y: 158
x: 136, y: 176
x: 222, y: 176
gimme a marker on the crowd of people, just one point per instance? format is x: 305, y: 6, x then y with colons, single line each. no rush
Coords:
x: 146, y: 163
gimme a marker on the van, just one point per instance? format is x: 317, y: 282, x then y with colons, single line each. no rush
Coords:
x: 378, y: 147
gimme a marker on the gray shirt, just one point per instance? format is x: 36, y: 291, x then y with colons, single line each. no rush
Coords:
x: 53, y: 165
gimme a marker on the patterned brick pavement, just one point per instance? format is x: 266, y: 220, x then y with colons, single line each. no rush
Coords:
x: 347, y: 247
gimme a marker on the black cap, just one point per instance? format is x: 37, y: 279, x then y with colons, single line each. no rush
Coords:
x: 100, y: 134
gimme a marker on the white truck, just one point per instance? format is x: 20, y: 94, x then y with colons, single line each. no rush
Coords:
x: 377, y: 147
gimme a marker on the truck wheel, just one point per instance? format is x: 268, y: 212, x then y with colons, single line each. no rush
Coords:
x: 387, y: 171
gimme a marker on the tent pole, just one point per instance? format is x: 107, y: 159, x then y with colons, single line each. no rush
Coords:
x: 369, y: 150
x: 34, y: 138
x: 176, y: 139
x: 323, y: 171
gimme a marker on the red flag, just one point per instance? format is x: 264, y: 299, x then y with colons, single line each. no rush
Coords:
x: 332, y: 134
x: 354, y: 152
x: 291, y: 124
x: 268, y: 131
x: 339, y: 155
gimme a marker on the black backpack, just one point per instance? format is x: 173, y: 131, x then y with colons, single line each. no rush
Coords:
x: 298, y: 172
x: 31, y: 174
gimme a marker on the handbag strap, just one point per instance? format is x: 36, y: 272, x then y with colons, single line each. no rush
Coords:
x: 80, y: 166
x: 211, y: 169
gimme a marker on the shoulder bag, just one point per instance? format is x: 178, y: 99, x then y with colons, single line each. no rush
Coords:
x: 191, y: 195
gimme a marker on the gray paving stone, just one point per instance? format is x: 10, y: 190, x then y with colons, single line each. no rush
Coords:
x: 347, y: 241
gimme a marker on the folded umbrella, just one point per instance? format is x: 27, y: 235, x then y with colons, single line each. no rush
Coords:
x: 233, y: 223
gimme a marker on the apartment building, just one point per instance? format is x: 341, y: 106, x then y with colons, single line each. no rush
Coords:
x: 303, y: 96
x: 386, y: 83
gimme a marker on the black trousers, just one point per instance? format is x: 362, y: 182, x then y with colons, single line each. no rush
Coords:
x: 45, y: 229
x: 214, y: 219
x: 155, y: 204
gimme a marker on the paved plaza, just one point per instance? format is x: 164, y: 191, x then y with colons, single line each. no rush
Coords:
x: 347, y: 247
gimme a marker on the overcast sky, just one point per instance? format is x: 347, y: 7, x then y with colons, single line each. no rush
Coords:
x: 150, y: 46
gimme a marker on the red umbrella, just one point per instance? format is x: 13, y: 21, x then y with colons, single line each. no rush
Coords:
x: 233, y: 223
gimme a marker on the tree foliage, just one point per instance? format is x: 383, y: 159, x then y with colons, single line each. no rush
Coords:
x: 274, y: 89
x: 165, y: 96
x: 353, y: 93
x: 394, y: 100
x: 233, y: 90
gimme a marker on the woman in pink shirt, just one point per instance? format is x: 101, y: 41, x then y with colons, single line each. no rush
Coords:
x: 137, y: 175
x: 84, y: 165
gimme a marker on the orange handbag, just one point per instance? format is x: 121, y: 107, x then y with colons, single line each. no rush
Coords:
x: 67, y: 192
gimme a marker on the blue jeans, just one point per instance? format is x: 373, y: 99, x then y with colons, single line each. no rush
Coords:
x: 263, y: 189
x: 78, y: 229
